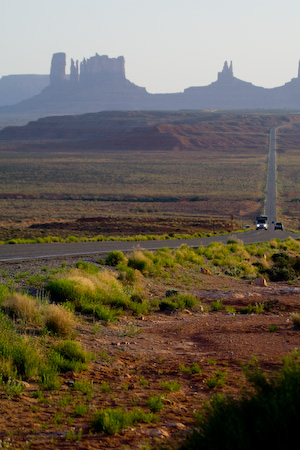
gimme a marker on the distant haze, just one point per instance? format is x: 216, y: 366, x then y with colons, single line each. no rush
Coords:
x: 168, y: 45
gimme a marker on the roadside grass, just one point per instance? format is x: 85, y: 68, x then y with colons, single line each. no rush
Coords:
x: 100, y: 293
x: 276, y: 260
x: 26, y: 349
x: 41, y: 315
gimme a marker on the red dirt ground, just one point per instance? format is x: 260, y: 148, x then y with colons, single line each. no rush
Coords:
x: 137, y: 354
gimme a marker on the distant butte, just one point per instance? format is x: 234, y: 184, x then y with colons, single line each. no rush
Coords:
x: 99, y: 83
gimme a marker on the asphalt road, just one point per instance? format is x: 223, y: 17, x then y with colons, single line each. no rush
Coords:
x: 23, y: 252
x: 270, y: 207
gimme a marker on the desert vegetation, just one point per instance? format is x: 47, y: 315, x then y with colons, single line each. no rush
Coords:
x: 98, y: 341
x: 272, y: 407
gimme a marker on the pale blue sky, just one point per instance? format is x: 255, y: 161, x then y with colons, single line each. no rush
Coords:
x: 168, y: 45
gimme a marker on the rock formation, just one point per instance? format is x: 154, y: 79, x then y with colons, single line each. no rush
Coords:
x: 98, y: 68
x: 99, y: 83
x: 74, y: 72
x: 58, y: 68
x: 227, y: 72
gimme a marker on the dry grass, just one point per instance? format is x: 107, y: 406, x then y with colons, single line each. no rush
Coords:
x: 55, y: 318
x: 103, y: 281
x: 23, y: 307
x: 59, y: 320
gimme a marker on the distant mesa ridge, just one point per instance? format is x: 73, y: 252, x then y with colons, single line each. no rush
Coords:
x: 88, y: 71
x: 99, y: 83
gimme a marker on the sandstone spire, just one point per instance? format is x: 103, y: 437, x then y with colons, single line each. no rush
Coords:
x: 58, y: 68
x: 74, y: 71
x: 227, y: 72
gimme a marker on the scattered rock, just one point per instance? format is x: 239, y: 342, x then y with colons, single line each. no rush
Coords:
x: 178, y: 425
x: 70, y: 374
x: 238, y: 295
x: 205, y: 271
x: 260, y: 281
x: 159, y: 432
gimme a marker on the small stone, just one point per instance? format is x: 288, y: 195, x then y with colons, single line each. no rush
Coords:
x: 159, y: 432
x: 205, y: 271
x: 260, y: 281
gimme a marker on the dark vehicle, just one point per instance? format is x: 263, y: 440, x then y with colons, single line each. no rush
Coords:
x: 278, y: 226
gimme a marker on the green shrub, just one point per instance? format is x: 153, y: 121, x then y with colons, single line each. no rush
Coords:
x: 139, y: 308
x: 155, y: 403
x: 87, y: 290
x: 257, y: 308
x: 4, y: 292
x: 105, y: 387
x: 19, y: 356
x: 84, y: 386
x: 285, y: 267
x: 69, y: 355
x: 172, y: 386
x: 87, y: 267
x: 167, y: 305
x: 140, y: 261
x: 106, y: 314
x: 127, y: 274
x: 11, y: 387
x: 278, y: 273
x: 80, y: 410
x: 216, y: 305
x: 267, y: 418
x: 217, y: 380
x: 72, y: 239
x: 111, y: 421
x: 62, y: 290
x: 178, y: 301
x: 193, y: 369
x: 115, y: 258
x: 49, y: 377
x: 295, y: 317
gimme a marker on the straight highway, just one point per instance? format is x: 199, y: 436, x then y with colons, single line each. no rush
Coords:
x: 270, y: 206
x: 23, y: 252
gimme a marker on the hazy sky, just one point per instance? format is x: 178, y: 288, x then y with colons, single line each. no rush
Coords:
x: 168, y: 45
